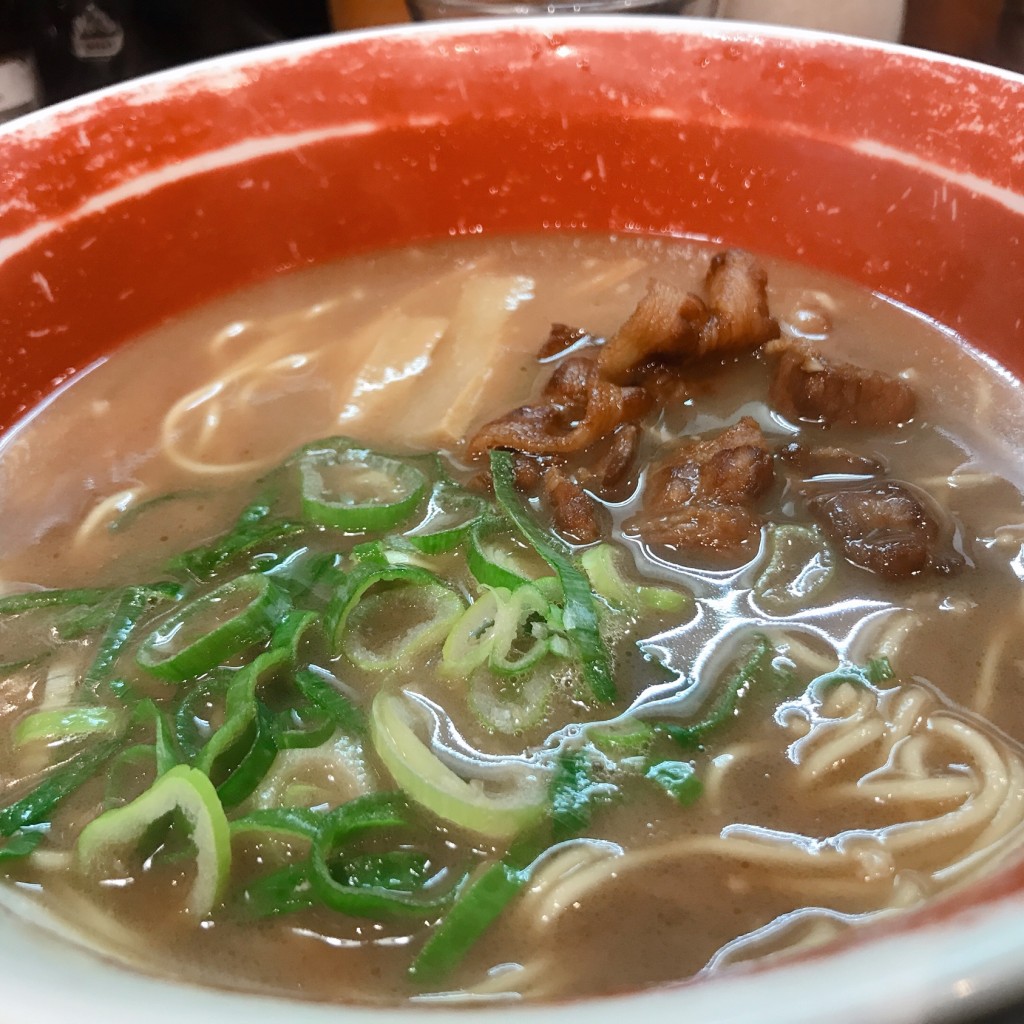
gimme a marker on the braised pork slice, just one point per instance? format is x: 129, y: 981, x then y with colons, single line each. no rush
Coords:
x: 673, y: 325
x: 573, y: 511
x: 885, y: 527
x: 614, y: 464
x: 725, y: 529
x: 704, y: 496
x: 577, y: 408
x: 806, y: 385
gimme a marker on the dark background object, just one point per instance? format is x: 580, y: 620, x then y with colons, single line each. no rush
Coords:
x: 80, y: 45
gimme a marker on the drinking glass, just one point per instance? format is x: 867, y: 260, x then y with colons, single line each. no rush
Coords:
x: 430, y: 10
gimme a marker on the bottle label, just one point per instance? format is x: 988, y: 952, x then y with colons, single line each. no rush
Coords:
x: 95, y: 35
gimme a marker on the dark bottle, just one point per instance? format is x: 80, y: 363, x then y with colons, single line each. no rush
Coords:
x: 20, y: 87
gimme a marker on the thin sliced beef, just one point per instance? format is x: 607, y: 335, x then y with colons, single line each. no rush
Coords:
x: 704, y: 496
x: 577, y: 408
x: 806, y: 385
x: 886, y: 527
x: 672, y: 325
x: 573, y: 512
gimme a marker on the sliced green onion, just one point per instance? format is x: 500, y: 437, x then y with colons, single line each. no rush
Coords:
x: 254, y: 530
x: 21, y: 844
x: 355, y: 489
x: 800, y: 565
x: 365, y: 897
x: 678, y: 779
x: 600, y: 565
x: 15, y: 604
x: 451, y: 513
x: 183, y: 789
x: 212, y: 629
x: 284, y: 891
x: 520, y: 636
x: 59, y: 783
x: 193, y: 710
x: 432, y: 784
x: 318, y: 690
x: 66, y: 723
x: 249, y: 772
x: 123, y: 624
x: 628, y: 737
x: 573, y: 795
x: 240, y: 709
x: 164, y: 749
x: 469, y: 641
x: 301, y: 729
x: 307, y: 576
x: 724, y: 708
x: 492, y: 563
x: 879, y: 670
x: 580, y: 609
x: 390, y: 627
x: 288, y: 822
x: 470, y: 916
x: 510, y: 704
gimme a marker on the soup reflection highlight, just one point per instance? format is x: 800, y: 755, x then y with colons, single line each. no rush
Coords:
x: 384, y: 631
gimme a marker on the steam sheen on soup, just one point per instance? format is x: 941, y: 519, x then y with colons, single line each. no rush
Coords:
x: 365, y: 637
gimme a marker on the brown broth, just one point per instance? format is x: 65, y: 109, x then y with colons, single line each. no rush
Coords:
x: 300, y: 358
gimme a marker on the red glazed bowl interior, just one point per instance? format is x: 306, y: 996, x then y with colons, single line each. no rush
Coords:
x: 902, y: 172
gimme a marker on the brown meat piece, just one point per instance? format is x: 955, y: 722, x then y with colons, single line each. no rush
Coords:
x: 672, y: 325
x: 664, y: 384
x: 612, y: 467
x: 578, y: 408
x: 828, y: 460
x: 885, y: 527
x: 665, y: 325
x: 573, y: 511
x: 704, y: 497
x: 720, y: 528
x: 737, y: 285
x: 560, y: 339
x: 734, y: 468
x: 805, y: 385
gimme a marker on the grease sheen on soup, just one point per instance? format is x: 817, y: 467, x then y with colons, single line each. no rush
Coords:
x: 870, y: 762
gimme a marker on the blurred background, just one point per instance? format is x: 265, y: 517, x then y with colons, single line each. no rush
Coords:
x: 53, y: 49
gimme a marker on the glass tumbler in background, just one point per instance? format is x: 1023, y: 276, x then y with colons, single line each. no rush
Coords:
x: 430, y: 10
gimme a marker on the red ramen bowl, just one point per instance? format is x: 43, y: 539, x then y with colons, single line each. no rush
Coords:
x: 900, y: 171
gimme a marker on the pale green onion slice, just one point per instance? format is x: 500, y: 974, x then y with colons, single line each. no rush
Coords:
x: 521, y: 632
x: 600, y: 565
x: 184, y: 789
x: 510, y: 704
x: 388, y: 627
x: 66, y: 723
x: 355, y: 489
x: 471, y: 638
x: 425, y: 779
